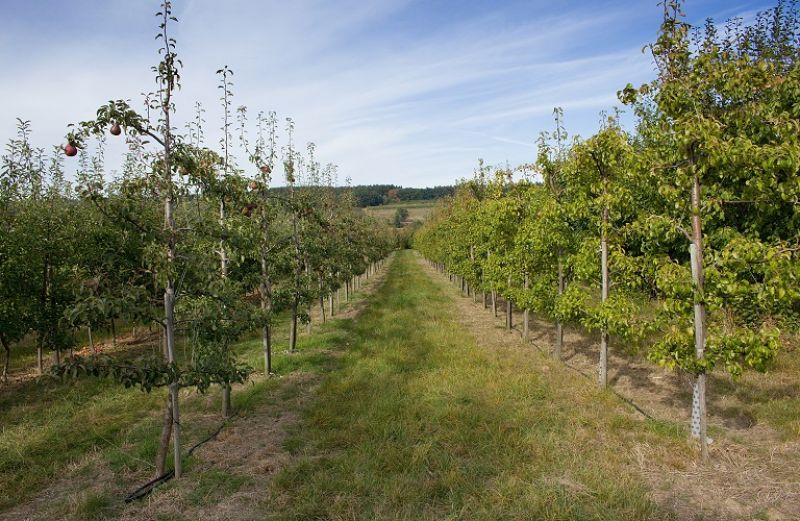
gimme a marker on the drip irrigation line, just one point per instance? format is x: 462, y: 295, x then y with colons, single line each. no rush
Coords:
x: 146, y: 489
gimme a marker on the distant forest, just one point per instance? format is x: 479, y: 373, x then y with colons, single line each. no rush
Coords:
x: 376, y: 195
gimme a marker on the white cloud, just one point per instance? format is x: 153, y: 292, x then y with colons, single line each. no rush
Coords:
x: 385, y: 107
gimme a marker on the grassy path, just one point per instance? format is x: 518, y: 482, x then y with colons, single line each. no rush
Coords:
x: 406, y: 411
x: 420, y: 422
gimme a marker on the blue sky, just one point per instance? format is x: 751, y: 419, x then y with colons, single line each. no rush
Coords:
x: 408, y: 92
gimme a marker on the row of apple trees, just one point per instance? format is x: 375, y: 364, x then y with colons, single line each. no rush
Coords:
x: 187, y: 238
x: 682, y: 236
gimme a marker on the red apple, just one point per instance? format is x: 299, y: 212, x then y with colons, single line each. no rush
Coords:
x: 266, y: 169
x: 253, y: 185
x: 71, y: 150
x: 116, y: 130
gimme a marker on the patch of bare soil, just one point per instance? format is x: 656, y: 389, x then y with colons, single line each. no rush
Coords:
x: 229, y: 476
x: 135, y: 341
x: 752, y: 472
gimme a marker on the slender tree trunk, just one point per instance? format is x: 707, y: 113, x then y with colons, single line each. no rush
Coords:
x: 293, y: 326
x: 699, y: 420
x: 298, y: 275
x: 43, y: 306
x: 525, y: 313
x: 265, y: 289
x: 223, y: 261
x: 559, y: 347
x: 321, y: 300
x: 7, y: 349
x: 330, y: 304
x: 113, y: 332
x: 266, y: 343
x: 169, y: 305
x: 169, y: 290
x: 603, y: 365
x: 509, y: 309
x: 39, y: 355
x: 163, y: 445
x: 91, y: 341
x: 483, y: 290
x: 226, y: 401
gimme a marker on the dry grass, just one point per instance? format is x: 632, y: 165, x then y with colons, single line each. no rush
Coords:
x: 753, y: 469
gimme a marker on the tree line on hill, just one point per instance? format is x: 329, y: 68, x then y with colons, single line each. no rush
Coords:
x: 377, y: 195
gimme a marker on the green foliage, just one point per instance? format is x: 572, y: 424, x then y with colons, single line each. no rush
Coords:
x: 400, y: 216
x: 719, y: 111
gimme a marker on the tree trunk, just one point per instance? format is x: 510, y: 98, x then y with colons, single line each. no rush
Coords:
x: 169, y: 305
x: 113, y: 332
x: 293, y: 326
x: 265, y: 289
x: 321, y: 301
x: 559, y: 327
x: 472, y: 262
x: 483, y: 290
x: 330, y: 304
x: 226, y: 401
x: 163, y: 441
x: 266, y: 343
x: 7, y: 349
x: 171, y: 248
x: 603, y: 365
x: 525, y: 314
x: 699, y: 421
x: 509, y: 309
x: 91, y: 341
x: 43, y: 305
x: 223, y: 261
x: 39, y: 356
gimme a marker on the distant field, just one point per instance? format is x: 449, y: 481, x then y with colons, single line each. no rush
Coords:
x: 417, y: 210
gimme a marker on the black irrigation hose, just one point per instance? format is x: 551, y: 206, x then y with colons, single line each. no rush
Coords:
x: 146, y: 489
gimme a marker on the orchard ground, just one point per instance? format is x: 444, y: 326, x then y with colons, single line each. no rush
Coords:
x: 417, y: 404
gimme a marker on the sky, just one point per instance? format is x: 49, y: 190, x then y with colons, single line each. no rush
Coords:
x: 406, y: 92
